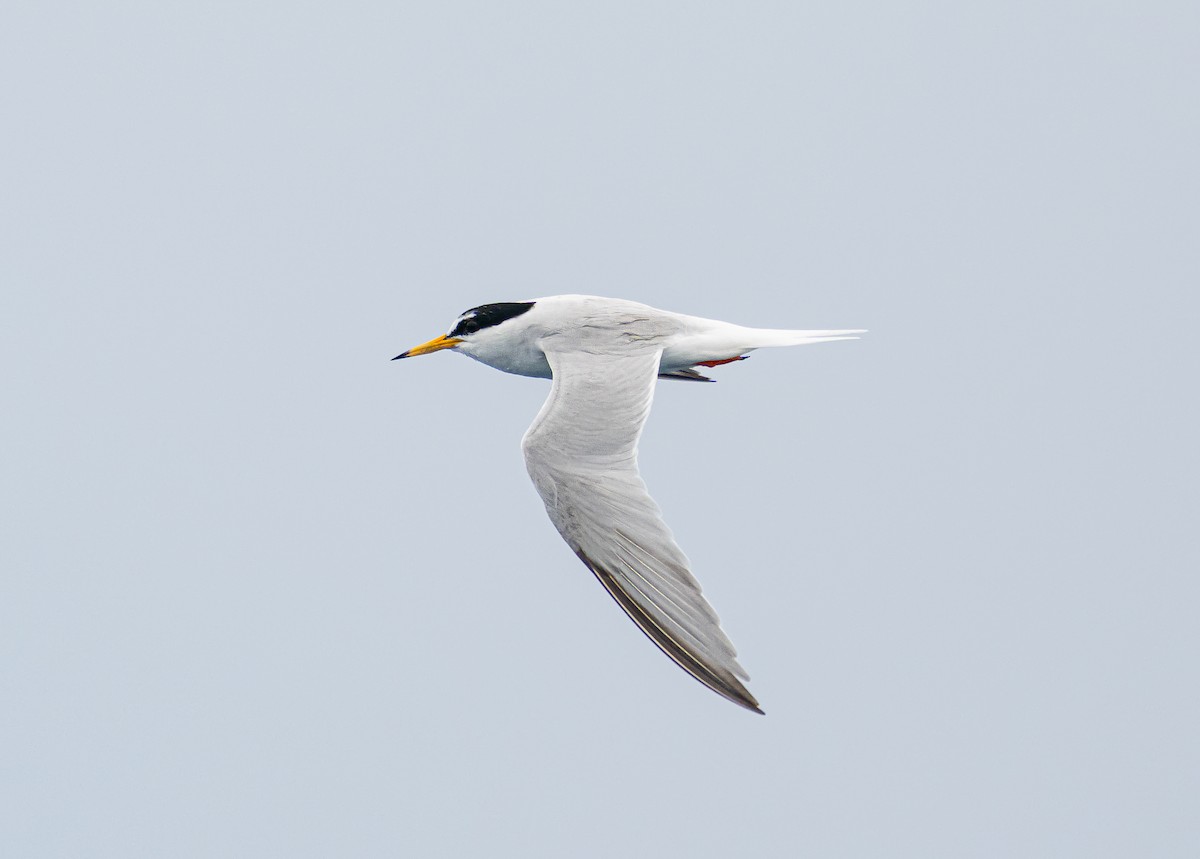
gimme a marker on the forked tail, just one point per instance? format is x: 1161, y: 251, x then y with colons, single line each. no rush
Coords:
x: 780, y: 337
x: 722, y: 343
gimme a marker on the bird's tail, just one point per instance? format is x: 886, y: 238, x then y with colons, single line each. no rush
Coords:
x: 779, y: 337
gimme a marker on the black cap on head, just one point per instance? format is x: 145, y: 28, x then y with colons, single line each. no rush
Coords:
x: 487, y: 315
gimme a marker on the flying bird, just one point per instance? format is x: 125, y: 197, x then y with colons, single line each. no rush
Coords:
x: 605, y: 356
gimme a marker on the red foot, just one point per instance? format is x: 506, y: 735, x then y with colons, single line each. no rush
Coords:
x: 722, y: 361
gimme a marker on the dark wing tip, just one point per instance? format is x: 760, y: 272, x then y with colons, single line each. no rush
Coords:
x: 723, y: 683
x: 688, y: 375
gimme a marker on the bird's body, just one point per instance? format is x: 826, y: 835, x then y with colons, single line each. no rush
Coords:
x: 616, y: 326
x: 605, y: 356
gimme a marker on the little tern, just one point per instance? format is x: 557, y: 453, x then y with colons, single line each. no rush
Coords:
x: 605, y: 356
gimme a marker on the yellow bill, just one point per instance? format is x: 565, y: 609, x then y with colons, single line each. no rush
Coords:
x: 434, y: 345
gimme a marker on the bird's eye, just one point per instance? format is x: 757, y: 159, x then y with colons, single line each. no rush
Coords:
x: 469, y: 326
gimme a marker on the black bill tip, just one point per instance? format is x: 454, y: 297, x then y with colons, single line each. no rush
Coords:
x: 401, y: 355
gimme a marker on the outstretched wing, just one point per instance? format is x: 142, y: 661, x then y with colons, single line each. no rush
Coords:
x: 581, y: 452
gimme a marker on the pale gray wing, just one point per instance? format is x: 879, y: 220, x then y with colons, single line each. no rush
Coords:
x: 581, y: 452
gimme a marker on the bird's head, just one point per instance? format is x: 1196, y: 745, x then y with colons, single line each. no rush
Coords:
x: 473, y: 329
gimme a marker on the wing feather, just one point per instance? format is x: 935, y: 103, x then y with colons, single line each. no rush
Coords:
x: 581, y: 452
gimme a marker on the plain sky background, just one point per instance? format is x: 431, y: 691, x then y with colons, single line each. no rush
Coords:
x: 265, y: 593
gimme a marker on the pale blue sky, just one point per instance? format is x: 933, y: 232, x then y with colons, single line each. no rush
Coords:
x: 265, y: 593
